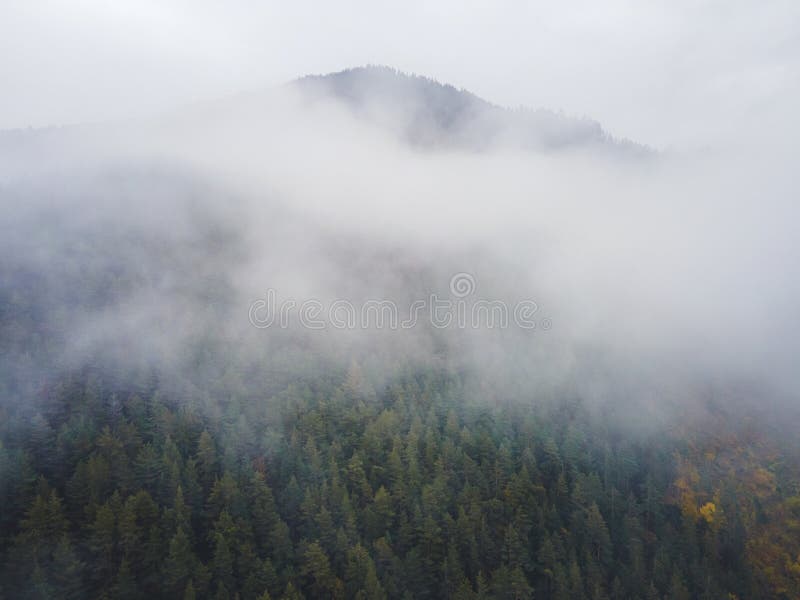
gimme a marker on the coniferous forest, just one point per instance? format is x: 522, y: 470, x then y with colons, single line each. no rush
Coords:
x: 161, y: 440
x: 325, y: 490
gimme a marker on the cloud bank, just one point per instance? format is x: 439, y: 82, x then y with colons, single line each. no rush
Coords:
x: 668, y: 281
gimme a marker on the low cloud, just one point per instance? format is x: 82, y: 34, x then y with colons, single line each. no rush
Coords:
x: 147, y: 242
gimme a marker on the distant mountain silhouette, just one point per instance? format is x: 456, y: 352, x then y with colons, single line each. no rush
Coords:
x: 431, y: 114
x: 418, y: 110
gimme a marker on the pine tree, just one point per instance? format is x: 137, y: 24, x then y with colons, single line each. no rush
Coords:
x: 263, y: 512
x: 206, y: 460
x: 180, y: 562
x: 598, y: 536
x: 102, y: 544
x: 576, y: 591
x: 322, y: 583
x: 43, y: 526
x: 67, y: 571
x: 222, y: 562
x: 125, y: 587
x: 291, y: 593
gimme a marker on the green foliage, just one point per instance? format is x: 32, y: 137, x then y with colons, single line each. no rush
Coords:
x: 335, y: 490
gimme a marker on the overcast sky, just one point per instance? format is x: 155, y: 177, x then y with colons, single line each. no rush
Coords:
x: 670, y: 73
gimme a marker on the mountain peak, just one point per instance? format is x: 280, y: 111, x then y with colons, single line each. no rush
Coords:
x: 428, y: 113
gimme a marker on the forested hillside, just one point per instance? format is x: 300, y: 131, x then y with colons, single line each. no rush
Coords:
x: 156, y: 442
x: 331, y: 490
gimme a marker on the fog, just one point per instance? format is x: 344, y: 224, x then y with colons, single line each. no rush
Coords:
x: 661, y: 279
x: 665, y: 73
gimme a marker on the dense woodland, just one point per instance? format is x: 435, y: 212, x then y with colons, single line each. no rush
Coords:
x: 154, y: 445
x: 330, y: 489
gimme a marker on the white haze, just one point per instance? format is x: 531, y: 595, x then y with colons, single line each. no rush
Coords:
x: 662, y: 276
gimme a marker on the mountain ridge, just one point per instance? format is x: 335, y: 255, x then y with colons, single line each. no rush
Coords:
x: 440, y: 114
x: 419, y: 110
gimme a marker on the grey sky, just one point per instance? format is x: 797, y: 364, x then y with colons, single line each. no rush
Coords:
x: 668, y: 73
